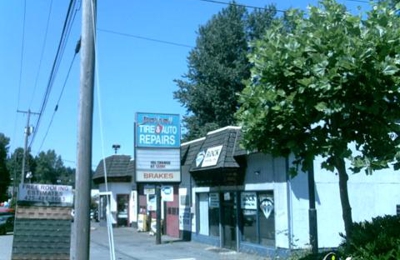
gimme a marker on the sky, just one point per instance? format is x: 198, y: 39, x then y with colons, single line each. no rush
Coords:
x: 141, y: 47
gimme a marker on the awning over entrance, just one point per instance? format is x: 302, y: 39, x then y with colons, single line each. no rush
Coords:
x: 213, y: 162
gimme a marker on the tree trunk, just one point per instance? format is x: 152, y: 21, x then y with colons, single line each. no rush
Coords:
x: 344, y: 196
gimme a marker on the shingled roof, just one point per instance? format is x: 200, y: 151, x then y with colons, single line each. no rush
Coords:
x: 211, y: 159
x: 119, y: 167
x: 189, y: 151
x: 226, y: 137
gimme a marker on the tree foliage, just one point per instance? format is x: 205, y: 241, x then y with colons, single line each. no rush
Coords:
x: 14, y: 164
x: 46, y: 167
x: 331, y: 81
x: 49, y: 167
x: 217, y: 67
x: 4, y: 173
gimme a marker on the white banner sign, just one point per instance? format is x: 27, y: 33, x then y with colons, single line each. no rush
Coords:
x: 45, y: 193
x: 209, y: 157
x: 249, y: 200
x: 159, y: 159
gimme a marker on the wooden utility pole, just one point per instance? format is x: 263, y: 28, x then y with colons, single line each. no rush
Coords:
x: 27, y: 134
x: 85, y: 126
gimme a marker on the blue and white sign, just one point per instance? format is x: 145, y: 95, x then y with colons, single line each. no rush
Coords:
x: 158, y: 130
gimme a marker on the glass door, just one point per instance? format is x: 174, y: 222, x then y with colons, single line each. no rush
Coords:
x: 229, y: 220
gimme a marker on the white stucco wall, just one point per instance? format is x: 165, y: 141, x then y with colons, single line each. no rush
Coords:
x: 370, y: 196
x: 116, y: 188
x: 298, y: 207
x: 275, y: 170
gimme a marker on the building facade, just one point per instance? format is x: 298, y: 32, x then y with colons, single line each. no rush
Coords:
x: 120, y: 191
x: 247, y: 201
x: 241, y: 200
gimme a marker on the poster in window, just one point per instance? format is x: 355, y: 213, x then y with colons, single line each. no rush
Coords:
x: 266, y: 204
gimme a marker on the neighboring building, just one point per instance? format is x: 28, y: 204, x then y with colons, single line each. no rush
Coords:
x: 120, y: 191
x: 247, y: 201
x: 128, y: 199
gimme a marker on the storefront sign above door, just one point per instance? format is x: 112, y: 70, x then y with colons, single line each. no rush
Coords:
x: 209, y: 157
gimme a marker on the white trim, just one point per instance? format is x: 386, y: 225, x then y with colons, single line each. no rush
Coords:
x: 259, y: 186
x: 105, y: 193
x: 224, y: 128
x: 201, y: 189
x: 193, y: 141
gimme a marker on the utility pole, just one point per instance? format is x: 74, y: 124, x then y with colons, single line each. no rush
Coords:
x: 28, y: 132
x: 85, y: 127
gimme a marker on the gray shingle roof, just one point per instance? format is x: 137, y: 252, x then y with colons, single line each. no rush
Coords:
x: 189, y: 151
x: 228, y: 138
x: 117, y: 166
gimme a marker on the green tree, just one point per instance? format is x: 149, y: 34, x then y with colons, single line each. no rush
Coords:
x: 330, y: 83
x: 14, y: 164
x: 49, y: 167
x: 67, y: 176
x: 217, y: 67
x: 4, y: 173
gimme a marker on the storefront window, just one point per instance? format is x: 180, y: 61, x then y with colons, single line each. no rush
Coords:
x: 249, y: 216
x: 258, y: 217
x: 203, y: 217
x: 213, y: 214
x: 267, y: 218
x: 208, y: 204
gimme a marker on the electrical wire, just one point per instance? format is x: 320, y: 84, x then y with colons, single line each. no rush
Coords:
x: 53, y: 72
x: 42, y: 53
x: 59, y: 98
x: 20, y: 72
x: 108, y: 210
x: 145, y: 38
x: 359, y: 1
x: 242, y: 5
x: 22, y: 54
x: 256, y: 7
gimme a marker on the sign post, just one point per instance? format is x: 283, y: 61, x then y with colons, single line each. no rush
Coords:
x: 158, y: 213
x: 157, y: 154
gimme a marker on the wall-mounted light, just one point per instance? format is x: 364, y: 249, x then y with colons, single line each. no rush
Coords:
x: 257, y: 172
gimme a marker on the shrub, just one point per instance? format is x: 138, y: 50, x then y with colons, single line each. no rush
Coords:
x: 376, y: 239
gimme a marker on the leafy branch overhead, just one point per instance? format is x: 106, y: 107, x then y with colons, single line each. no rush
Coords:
x: 331, y: 81
x: 327, y: 85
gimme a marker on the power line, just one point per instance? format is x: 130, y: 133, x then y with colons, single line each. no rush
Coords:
x: 145, y: 38
x: 22, y: 54
x: 242, y: 5
x: 359, y: 1
x: 62, y: 91
x: 54, y: 69
x: 263, y: 8
x: 20, y: 72
x: 41, y: 56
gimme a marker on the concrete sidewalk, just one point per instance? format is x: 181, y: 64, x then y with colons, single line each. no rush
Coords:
x: 133, y: 245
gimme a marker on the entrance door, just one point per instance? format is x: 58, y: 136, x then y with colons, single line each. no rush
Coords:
x: 229, y: 220
x: 122, y: 209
